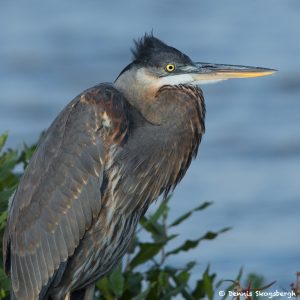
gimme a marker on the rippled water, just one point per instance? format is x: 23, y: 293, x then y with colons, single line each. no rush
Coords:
x: 250, y: 156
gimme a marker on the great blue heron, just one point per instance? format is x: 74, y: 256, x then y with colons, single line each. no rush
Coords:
x: 108, y: 155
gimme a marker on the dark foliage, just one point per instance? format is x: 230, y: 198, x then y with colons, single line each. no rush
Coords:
x: 146, y: 272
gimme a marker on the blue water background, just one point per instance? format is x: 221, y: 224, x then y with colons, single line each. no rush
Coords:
x: 249, y: 159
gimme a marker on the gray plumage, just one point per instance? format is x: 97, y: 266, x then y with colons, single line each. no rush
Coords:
x: 107, y: 156
x: 82, y: 193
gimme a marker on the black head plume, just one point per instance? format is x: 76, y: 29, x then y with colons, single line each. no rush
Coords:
x: 149, y: 50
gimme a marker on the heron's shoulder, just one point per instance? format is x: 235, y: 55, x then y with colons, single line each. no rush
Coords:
x: 112, y: 110
x: 102, y: 94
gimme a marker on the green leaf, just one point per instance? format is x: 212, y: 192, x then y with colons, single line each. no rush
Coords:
x: 208, y: 284
x: 116, y: 281
x: 187, y: 245
x: 189, y: 213
x: 152, y: 273
x: 180, y: 280
x: 26, y: 154
x: 156, y: 229
x: 5, y: 194
x: 7, y: 166
x: 257, y: 281
x: 173, y: 292
x: 147, y: 251
x: 163, y: 207
x: 163, y: 279
x: 3, y: 139
x: 190, y: 265
x: 144, y: 294
x: 133, y: 244
x: 204, y: 287
x: 191, y: 244
x: 103, y: 286
x: 183, y: 277
x: 233, y: 285
x: 171, y: 237
x: 3, y: 218
x: 133, y: 282
x: 4, y: 281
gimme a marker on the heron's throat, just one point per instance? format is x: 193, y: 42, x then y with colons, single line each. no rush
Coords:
x: 134, y: 80
x: 140, y: 89
x: 160, y: 102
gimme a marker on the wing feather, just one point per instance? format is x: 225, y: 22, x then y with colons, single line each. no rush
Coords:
x: 42, y: 264
x: 15, y: 277
x: 37, y: 271
x: 59, y: 194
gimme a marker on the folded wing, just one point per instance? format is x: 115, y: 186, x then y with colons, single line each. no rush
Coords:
x: 59, y: 194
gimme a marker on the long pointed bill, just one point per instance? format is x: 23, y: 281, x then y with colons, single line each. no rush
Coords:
x: 215, y: 72
x: 203, y: 73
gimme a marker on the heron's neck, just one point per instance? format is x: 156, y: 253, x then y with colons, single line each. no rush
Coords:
x: 158, y: 103
x: 141, y: 90
x: 161, y: 153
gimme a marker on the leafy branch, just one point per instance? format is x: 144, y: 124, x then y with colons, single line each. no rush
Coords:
x: 146, y: 273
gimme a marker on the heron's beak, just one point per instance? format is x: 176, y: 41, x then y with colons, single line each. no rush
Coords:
x: 206, y: 72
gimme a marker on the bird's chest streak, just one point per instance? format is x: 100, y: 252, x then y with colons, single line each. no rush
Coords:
x: 104, y: 244
x: 151, y: 162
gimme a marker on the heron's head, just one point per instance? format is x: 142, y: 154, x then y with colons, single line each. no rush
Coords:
x: 156, y: 64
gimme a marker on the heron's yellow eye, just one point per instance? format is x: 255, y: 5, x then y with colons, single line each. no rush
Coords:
x: 170, y: 68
